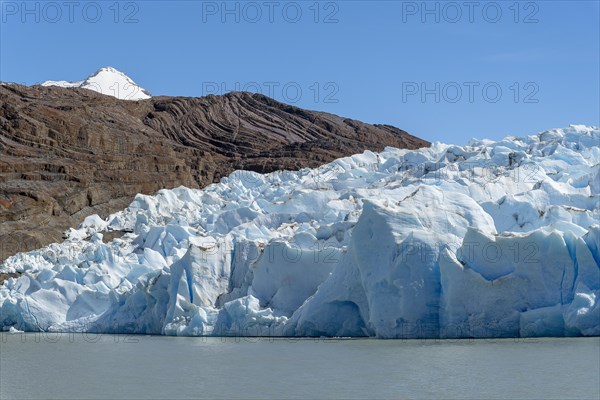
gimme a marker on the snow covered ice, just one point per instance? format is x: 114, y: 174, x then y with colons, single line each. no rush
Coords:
x: 107, y: 81
x: 492, y: 239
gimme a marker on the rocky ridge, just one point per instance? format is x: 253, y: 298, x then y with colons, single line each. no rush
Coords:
x: 67, y: 153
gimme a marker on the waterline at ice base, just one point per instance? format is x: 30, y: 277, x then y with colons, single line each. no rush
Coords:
x: 491, y: 239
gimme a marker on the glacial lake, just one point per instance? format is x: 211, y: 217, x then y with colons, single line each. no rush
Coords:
x: 52, y: 366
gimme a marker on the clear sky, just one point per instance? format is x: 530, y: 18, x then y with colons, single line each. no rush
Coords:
x: 444, y: 71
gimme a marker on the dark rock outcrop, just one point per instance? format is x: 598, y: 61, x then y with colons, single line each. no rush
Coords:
x: 69, y: 153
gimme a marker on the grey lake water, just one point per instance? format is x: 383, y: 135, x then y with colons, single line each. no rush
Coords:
x: 67, y: 366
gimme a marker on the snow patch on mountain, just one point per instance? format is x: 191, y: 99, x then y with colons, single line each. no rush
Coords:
x: 107, y: 81
x: 492, y: 239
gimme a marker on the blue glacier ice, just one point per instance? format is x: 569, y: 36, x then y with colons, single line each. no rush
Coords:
x: 491, y: 239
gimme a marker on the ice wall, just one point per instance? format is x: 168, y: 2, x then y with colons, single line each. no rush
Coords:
x: 492, y: 239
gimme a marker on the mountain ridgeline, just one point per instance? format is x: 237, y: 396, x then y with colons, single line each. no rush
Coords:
x: 68, y: 152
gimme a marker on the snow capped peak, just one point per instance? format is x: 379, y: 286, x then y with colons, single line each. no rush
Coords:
x: 109, y: 72
x: 108, y: 81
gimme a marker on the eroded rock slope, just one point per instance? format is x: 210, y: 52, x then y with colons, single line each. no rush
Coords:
x: 67, y: 153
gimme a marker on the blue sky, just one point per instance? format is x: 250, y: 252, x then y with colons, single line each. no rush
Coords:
x: 444, y: 71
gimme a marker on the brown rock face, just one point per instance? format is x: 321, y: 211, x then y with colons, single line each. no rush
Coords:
x: 69, y: 153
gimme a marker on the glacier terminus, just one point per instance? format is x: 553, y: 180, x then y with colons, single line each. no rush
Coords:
x: 490, y: 239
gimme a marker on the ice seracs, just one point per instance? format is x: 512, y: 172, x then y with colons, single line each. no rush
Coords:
x: 107, y: 81
x: 492, y: 239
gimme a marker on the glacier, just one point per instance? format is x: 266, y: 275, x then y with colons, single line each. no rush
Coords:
x: 491, y: 239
